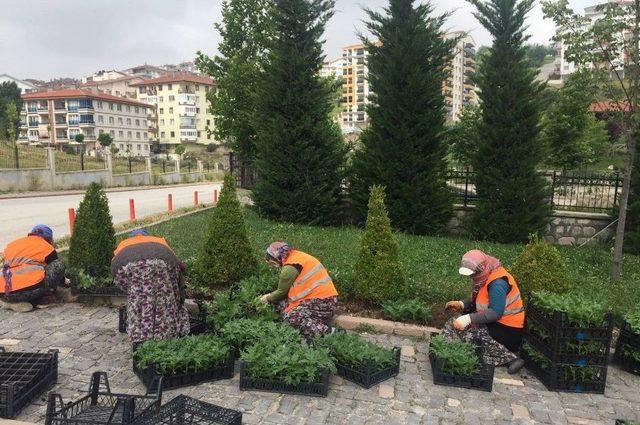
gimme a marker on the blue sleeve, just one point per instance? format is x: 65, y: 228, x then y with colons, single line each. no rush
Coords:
x: 498, y: 290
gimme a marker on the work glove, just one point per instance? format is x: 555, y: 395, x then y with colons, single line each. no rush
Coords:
x: 454, y: 305
x: 462, y: 322
x: 264, y: 299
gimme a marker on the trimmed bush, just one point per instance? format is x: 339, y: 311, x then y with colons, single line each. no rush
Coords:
x: 379, y: 273
x: 540, y: 267
x: 226, y: 256
x: 93, y: 240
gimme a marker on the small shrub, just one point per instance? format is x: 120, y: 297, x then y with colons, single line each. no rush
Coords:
x: 379, y: 274
x: 406, y: 310
x: 540, y: 267
x: 93, y: 241
x: 175, y: 355
x: 243, y: 333
x: 351, y: 350
x: 580, y: 312
x: 285, y: 362
x: 226, y: 256
x: 633, y: 319
x: 458, y: 357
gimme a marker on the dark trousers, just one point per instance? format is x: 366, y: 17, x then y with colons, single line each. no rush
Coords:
x: 53, y: 277
x: 510, y: 337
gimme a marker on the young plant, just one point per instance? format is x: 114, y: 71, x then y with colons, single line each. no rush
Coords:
x: 290, y: 363
x: 178, y: 355
x: 243, y: 333
x: 458, y: 357
x: 580, y: 312
x: 535, y: 356
x: 351, y: 350
x: 406, y: 310
x: 221, y: 310
x: 85, y: 281
x: 633, y: 319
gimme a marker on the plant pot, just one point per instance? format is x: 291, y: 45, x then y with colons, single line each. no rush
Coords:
x: 481, y: 380
x: 313, y: 389
x: 630, y: 341
x: 366, y: 376
x: 186, y: 410
x: 23, y: 377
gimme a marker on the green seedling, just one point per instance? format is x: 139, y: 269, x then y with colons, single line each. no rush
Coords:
x: 458, y: 357
x: 351, y: 350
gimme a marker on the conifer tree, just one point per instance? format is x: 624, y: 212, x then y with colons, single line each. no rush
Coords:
x: 632, y: 238
x: 404, y: 148
x: 300, y: 149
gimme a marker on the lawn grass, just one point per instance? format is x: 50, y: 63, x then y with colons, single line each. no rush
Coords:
x: 431, y: 262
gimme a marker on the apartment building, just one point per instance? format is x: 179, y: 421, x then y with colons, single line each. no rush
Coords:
x: 332, y: 68
x: 54, y: 118
x: 355, y: 88
x: 118, y: 86
x: 24, y: 86
x: 181, y: 109
x: 458, y: 89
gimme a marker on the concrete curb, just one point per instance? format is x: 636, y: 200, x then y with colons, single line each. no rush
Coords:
x: 384, y: 326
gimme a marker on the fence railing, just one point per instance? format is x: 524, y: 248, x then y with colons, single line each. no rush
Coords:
x: 188, y: 165
x: 14, y: 156
x: 72, y: 161
x: 161, y: 166
x: 568, y: 191
x: 123, y: 165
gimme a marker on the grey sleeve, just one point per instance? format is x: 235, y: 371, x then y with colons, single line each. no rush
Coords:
x: 469, y: 305
x: 487, y: 316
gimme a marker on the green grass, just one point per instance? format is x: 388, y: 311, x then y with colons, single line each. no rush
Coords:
x: 431, y: 263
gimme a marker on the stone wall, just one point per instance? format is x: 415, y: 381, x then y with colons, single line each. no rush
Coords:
x: 565, y: 228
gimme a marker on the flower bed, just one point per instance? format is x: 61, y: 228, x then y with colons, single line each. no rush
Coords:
x: 627, y: 353
x: 102, y: 407
x: 459, y: 364
x: 186, y: 410
x: 23, y: 377
x: 183, y: 361
x: 88, y: 286
x: 197, y: 321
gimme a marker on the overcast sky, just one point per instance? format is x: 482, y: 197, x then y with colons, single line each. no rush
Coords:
x: 45, y: 39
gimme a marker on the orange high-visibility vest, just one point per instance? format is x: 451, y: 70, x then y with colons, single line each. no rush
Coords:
x: 138, y: 239
x: 24, y: 262
x: 513, y: 315
x: 312, y: 282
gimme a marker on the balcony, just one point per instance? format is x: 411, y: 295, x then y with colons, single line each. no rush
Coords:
x: 33, y: 123
x: 61, y: 123
x: 187, y: 127
x: 32, y: 109
x: 74, y: 123
x: 185, y: 91
x: 43, y: 108
x: 186, y: 99
x: 59, y: 106
x: 87, y: 122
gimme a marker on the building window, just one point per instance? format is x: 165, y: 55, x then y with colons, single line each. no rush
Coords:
x: 172, y: 98
x: 137, y: 110
x: 173, y: 134
x: 208, y: 136
x: 100, y: 119
x: 100, y: 131
x: 111, y: 106
x: 137, y: 135
x: 161, y: 98
x: 142, y: 89
x: 171, y: 110
x: 128, y: 108
x: 128, y: 121
x: 198, y: 133
x: 119, y: 107
x: 172, y: 121
x: 120, y: 134
x: 99, y: 104
x: 162, y: 134
x: 137, y: 123
x: 170, y: 87
x: 119, y: 120
x: 197, y: 87
x: 138, y: 147
x: 159, y: 87
x: 112, y: 133
x: 145, y: 135
x: 162, y: 110
x: 129, y: 135
x: 197, y: 110
x: 208, y: 122
x: 121, y: 145
x: 162, y: 122
x: 111, y: 120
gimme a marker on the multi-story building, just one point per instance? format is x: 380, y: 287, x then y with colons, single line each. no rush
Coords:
x: 24, y: 86
x: 54, y: 118
x: 119, y: 86
x: 332, y: 68
x: 145, y: 71
x: 181, y: 108
x: 103, y: 76
x: 458, y: 88
x: 355, y: 88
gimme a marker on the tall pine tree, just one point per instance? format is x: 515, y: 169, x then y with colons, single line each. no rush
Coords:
x: 300, y: 149
x: 403, y: 149
x: 512, y: 196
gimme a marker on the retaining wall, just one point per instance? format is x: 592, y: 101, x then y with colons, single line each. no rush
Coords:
x: 25, y: 180
x: 133, y: 179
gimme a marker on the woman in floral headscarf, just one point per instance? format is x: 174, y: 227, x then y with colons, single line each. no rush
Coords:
x: 493, y: 314
x: 305, y: 296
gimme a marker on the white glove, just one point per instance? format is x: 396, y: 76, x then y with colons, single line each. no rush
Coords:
x: 462, y: 322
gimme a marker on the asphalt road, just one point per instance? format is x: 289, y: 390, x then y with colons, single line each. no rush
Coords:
x: 17, y: 216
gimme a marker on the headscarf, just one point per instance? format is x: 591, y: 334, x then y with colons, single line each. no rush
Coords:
x: 42, y: 231
x: 138, y: 232
x: 482, y: 265
x: 279, y: 251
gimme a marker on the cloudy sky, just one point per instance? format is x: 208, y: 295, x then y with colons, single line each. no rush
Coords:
x: 45, y: 39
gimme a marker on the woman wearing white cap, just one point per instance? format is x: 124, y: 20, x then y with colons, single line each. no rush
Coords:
x: 493, y: 313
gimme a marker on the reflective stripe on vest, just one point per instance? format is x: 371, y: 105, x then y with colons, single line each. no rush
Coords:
x: 513, y: 315
x: 138, y: 239
x: 313, y: 281
x: 25, y: 262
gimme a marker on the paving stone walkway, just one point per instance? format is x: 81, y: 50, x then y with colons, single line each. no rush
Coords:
x: 88, y: 340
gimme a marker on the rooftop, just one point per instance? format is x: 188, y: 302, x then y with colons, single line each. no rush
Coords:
x: 175, y: 78
x: 74, y: 93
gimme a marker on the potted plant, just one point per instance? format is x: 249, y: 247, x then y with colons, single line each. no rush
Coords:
x: 243, y: 333
x: 358, y: 360
x: 627, y: 352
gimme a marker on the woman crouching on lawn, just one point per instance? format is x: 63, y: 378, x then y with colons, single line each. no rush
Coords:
x: 494, y: 313
x: 305, y: 297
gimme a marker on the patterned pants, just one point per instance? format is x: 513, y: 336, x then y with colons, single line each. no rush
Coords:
x: 311, y: 317
x: 494, y: 353
x: 53, y: 277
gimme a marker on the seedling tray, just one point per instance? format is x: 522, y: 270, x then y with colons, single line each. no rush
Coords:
x: 149, y: 376
x: 366, y: 376
x: 313, y: 389
x: 560, y: 353
x: 186, y: 410
x: 630, y: 339
x: 557, y: 323
x: 102, y: 407
x: 197, y: 322
x: 23, y: 377
x: 482, y: 380
x: 554, y: 380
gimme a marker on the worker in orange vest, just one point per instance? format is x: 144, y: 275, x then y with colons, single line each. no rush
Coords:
x: 30, y: 269
x: 306, y: 296
x: 493, y: 314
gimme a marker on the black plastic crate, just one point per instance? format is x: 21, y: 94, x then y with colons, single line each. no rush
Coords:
x: 197, y: 321
x: 314, y: 389
x: 627, y: 340
x: 102, y: 407
x: 554, y: 379
x: 366, y: 376
x: 150, y: 377
x: 186, y: 410
x: 560, y: 353
x: 557, y: 323
x: 481, y: 380
x: 23, y: 377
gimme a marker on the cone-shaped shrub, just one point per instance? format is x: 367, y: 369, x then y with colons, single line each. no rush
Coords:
x: 226, y: 256
x: 540, y: 267
x: 379, y: 273
x: 93, y: 240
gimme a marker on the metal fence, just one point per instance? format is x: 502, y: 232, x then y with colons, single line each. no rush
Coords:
x: 246, y: 174
x: 188, y: 165
x: 161, y: 166
x: 568, y: 191
x: 16, y: 156
x: 70, y: 160
x: 128, y: 165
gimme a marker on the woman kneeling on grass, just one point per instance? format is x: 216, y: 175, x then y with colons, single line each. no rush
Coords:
x: 311, y: 298
x: 494, y: 311
x: 149, y: 272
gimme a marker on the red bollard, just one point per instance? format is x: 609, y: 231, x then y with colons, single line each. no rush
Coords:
x: 195, y: 198
x: 72, y: 220
x: 215, y: 196
x: 132, y: 210
x: 170, y: 203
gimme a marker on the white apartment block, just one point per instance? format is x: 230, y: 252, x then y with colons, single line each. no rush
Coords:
x: 355, y: 88
x: 181, y: 108
x: 333, y: 68
x: 24, y: 86
x: 458, y: 89
x: 54, y: 118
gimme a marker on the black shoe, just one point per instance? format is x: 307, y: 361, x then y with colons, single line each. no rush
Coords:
x: 515, y: 366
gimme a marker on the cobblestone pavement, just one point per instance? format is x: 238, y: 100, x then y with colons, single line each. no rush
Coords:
x: 88, y: 340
